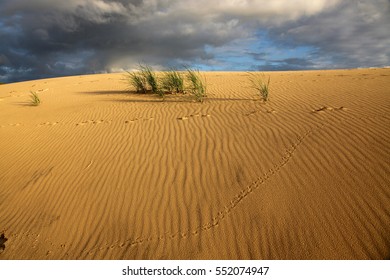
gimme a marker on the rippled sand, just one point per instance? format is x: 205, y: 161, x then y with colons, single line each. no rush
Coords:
x: 95, y: 172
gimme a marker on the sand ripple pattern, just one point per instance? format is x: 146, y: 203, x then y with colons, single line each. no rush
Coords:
x: 102, y: 174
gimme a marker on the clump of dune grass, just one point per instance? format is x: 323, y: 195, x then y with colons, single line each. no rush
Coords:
x: 138, y: 81
x: 144, y: 80
x: 261, y: 84
x: 173, y: 82
x: 150, y: 77
x: 197, y: 86
x: 35, y: 100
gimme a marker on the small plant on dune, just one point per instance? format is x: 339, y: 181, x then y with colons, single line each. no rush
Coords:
x: 137, y: 80
x: 35, y: 100
x: 173, y: 82
x: 259, y: 83
x: 145, y: 80
x: 197, y: 86
x: 150, y: 77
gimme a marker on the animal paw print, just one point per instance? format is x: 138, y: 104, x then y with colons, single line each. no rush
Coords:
x: 92, y: 122
x: 12, y: 124
x: 42, y: 90
x: 48, y: 124
x: 194, y: 116
x: 268, y: 111
x: 139, y: 119
x: 326, y: 108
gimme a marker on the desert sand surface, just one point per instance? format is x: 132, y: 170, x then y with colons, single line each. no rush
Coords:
x: 97, y: 172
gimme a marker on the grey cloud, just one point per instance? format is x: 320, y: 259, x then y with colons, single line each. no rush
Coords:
x: 258, y: 56
x: 355, y: 34
x: 283, y: 64
x: 45, y: 38
x: 117, y: 33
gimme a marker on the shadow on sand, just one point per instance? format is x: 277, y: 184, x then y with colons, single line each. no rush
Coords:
x: 149, y: 97
x: 3, y: 239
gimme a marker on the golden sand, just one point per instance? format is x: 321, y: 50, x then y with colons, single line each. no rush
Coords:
x: 94, y: 172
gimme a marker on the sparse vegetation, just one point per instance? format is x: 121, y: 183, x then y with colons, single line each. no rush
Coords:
x: 259, y: 82
x: 35, y: 100
x: 173, y: 82
x: 137, y: 80
x: 150, y: 77
x: 197, y: 86
x: 145, y: 80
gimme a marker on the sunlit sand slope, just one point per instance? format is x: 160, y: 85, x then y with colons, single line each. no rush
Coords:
x: 95, y: 172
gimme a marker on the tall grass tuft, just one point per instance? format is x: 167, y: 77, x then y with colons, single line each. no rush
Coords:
x: 173, y: 82
x: 145, y: 80
x: 197, y: 86
x: 137, y: 80
x: 35, y: 100
x: 259, y: 83
x: 150, y: 77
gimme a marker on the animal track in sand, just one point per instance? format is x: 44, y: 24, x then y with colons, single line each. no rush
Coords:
x: 42, y: 90
x: 139, y: 119
x: 33, y: 239
x: 110, y: 121
x: 194, y: 116
x: 48, y: 124
x: 233, y: 203
x: 88, y: 122
x: 225, y: 211
x: 11, y: 124
x: 93, y: 122
x: 38, y: 175
x: 287, y: 156
x: 326, y: 108
x: 268, y: 111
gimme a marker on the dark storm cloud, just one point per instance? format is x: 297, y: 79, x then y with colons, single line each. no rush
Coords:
x: 354, y: 34
x: 45, y: 38
x: 49, y: 38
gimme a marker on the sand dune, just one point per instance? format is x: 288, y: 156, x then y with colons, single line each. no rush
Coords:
x: 95, y: 172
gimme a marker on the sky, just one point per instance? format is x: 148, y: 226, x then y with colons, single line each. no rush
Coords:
x: 50, y: 38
